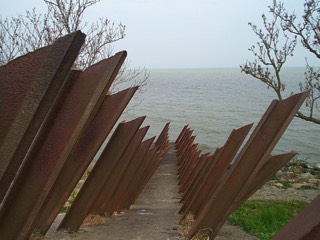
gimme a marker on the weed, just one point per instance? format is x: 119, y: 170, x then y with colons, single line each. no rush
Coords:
x: 263, y: 218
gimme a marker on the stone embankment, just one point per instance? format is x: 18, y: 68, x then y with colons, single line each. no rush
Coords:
x: 294, y: 181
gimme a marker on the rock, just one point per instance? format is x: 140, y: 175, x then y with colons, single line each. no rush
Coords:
x: 279, y: 173
x: 299, y: 185
x: 315, y: 172
x: 278, y: 185
x: 296, y: 169
x: 303, y: 165
x: 314, y: 181
x: 285, y: 168
x: 305, y: 176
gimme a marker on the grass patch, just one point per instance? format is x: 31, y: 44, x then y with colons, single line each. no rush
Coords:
x: 307, y: 187
x: 263, y: 218
x: 71, y: 199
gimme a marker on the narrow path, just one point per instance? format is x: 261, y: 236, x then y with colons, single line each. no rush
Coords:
x: 153, y: 216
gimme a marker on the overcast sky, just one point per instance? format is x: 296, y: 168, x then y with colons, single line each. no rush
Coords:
x: 181, y: 34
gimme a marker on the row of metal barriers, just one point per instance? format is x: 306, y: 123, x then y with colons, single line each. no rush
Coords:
x: 53, y: 121
x: 213, y: 185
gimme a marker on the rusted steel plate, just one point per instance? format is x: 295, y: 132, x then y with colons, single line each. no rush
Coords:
x: 257, y: 149
x: 16, y: 81
x: 114, y: 179
x: 189, y: 139
x: 181, y: 145
x: 212, y: 173
x: 305, y: 225
x: 192, y: 174
x: 130, y: 179
x: 269, y: 169
x: 183, y: 153
x: 81, y: 156
x: 20, y: 204
x: 181, y: 134
x: 151, y: 159
x: 199, y: 167
x: 189, y: 164
x: 154, y: 163
x: 183, y: 137
x: 49, y: 153
x: 194, y: 182
x: 186, y: 155
x: 189, y: 199
x: 163, y: 135
x: 215, y: 175
x: 103, y: 167
x: 143, y: 173
x: 137, y: 183
x: 37, y: 79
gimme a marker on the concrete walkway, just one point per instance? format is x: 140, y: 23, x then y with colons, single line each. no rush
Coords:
x: 153, y: 216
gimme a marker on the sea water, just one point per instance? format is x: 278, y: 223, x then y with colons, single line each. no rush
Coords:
x: 215, y: 101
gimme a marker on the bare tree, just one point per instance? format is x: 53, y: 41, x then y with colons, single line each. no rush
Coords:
x: 25, y: 33
x: 277, y: 42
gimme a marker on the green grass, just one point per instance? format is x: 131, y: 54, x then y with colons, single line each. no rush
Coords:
x: 263, y: 218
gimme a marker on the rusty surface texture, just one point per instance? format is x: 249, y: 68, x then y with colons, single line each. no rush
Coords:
x: 18, y: 207
x: 81, y: 157
x: 149, y: 164
x: 215, y: 172
x: 163, y: 136
x: 108, y: 192
x: 198, y: 179
x: 54, y: 120
x: 129, y: 180
x: 30, y: 90
x: 49, y: 152
x: 248, y: 162
x: 181, y: 134
x: 304, y: 226
x: 102, y: 169
x: 142, y: 170
x: 269, y: 169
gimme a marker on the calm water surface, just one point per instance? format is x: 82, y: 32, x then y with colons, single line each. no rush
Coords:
x: 215, y: 101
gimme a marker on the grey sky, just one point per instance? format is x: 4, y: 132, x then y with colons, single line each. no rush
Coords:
x: 181, y: 34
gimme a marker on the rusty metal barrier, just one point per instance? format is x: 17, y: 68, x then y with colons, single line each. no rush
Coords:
x: 53, y: 122
x: 214, y: 172
x: 123, y: 191
x: 81, y: 156
x: 101, y: 192
x: 92, y: 187
x: 224, y: 182
x: 46, y: 157
x: 39, y: 80
x: 150, y: 163
x: 114, y: 179
x: 304, y: 226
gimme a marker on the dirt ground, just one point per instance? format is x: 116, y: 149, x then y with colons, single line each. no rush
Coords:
x: 153, y: 216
